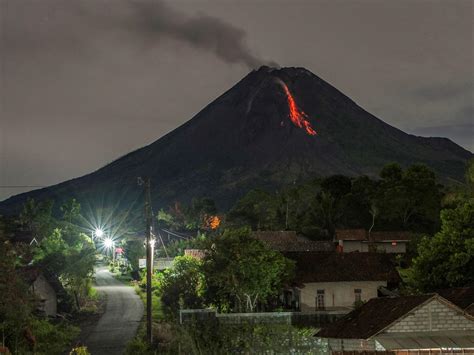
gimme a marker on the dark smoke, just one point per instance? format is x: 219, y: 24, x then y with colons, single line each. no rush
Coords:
x: 202, y: 32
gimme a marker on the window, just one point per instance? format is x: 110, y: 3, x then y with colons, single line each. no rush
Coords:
x: 320, y: 299
x: 358, y: 295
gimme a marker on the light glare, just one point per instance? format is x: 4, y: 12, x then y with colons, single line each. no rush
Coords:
x: 108, y: 243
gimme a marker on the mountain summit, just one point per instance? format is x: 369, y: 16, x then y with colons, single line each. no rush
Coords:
x: 273, y: 127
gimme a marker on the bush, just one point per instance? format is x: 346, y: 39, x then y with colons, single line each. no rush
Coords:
x: 81, y: 350
x: 52, y: 338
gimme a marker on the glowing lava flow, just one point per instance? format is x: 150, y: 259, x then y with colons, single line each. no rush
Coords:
x: 298, y: 117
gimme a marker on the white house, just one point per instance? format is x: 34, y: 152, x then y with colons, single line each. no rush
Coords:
x: 335, y: 282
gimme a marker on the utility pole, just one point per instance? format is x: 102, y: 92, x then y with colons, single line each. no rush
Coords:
x: 149, y: 257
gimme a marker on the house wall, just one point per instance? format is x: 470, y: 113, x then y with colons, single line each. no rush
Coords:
x: 46, y: 294
x: 357, y: 245
x: 337, y: 294
x: 350, y: 344
x: 434, y: 316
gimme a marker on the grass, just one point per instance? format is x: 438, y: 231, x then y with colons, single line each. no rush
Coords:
x: 156, y: 310
x: 138, y: 344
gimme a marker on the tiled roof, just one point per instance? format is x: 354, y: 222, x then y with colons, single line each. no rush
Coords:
x: 333, y: 267
x: 289, y: 241
x: 463, y: 297
x: 379, y: 313
x: 372, y: 317
x: 351, y: 234
x: 381, y: 236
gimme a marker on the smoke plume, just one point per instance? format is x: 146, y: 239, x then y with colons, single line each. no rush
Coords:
x: 202, y: 32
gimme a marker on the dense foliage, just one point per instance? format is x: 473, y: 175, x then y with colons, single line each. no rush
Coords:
x: 400, y: 199
x: 237, y: 274
x: 447, y: 259
x: 187, y: 217
x: 241, y: 272
x: 35, y: 243
x: 180, y: 287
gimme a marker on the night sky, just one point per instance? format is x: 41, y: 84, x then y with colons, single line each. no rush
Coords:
x: 84, y: 82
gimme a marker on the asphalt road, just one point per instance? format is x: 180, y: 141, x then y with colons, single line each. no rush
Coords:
x: 119, y: 323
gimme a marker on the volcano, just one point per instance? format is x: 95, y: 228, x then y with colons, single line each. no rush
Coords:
x: 274, y: 127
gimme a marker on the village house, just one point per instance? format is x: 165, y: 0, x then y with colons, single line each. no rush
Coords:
x: 335, y: 282
x: 43, y: 290
x: 198, y: 254
x: 443, y: 320
x: 351, y: 240
x: 160, y: 264
x: 289, y: 241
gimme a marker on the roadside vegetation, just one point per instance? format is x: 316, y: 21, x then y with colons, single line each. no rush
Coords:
x: 36, y: 243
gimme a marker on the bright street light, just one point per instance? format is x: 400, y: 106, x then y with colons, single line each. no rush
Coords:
x: 108, y: 243
x: 99, y: 232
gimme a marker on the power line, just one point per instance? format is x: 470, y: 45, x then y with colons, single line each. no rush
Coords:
x: 18, y: 186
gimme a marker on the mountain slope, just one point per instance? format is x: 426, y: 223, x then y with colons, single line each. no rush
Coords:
x: 246, y: 139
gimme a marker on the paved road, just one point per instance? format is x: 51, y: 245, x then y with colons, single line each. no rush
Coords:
x: 119, y: 323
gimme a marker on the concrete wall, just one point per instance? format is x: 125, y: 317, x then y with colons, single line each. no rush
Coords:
x: 357, y: 245
x: 46, y: 295
x: 350, y: 344
x: 434, y: 316
x: 337, y: 294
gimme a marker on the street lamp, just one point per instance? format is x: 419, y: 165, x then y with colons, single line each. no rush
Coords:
x: 99, y: 233
x: 110, y: 244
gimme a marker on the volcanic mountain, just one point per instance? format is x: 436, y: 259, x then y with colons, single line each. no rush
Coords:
x: 273, y: 127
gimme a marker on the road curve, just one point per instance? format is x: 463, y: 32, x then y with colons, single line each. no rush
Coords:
x: 119, y: 323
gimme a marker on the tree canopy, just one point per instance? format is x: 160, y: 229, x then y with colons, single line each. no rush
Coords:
x: 446, y: 259
x: 402, y: 199
x: 240, y: 271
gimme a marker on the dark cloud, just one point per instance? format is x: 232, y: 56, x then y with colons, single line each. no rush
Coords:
x: 203, y: 32
x: 145, y: 21
x: 445, y: 91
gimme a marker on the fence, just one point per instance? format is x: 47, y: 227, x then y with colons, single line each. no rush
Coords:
x: 298, y: 319
x: 408, y: 352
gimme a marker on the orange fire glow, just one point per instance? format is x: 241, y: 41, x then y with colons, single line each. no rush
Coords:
x: 213, y: 222
x: 297, y: 116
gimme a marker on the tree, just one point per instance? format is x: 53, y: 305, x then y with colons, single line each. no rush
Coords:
x: 410, y: 200
x: 71, y: 210
x: 337, y: 185
x: 392, y: 172
x: 241, y: 272
x: 134, y: 250
x: 180, y: 286
x: 447, y: 259
x: 257, y: 209
x: 329, y: 211
x: 15, y: 301
x: 36, y: 218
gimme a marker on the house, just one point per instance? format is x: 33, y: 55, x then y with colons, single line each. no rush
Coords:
x: 44, y: 291
x: 350, y: 240
x: 289, y: 241
x: 335, y: 282
x: 161, y: 264
x: 422, y: 322
x: 198, y: 254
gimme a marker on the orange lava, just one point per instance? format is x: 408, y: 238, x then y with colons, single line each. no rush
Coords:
x: 298, y: 117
